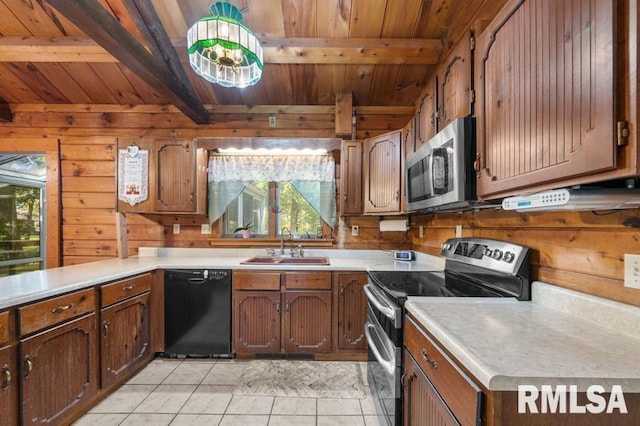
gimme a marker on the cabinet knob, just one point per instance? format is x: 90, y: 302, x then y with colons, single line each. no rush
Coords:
x: 105, y: 329
x: 61, y: 309
x: 6, y: 376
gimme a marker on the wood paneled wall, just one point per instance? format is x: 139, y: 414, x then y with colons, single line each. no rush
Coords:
x: 88, y: 135
x: 583, y: 251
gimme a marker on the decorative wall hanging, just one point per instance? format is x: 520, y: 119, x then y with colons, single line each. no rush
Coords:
x: 133, y: 174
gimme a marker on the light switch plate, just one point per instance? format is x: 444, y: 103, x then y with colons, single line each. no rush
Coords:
x: 458, y: 231
x: 176, y: 228
x: 205, y: 228
x: 421, y: 231
x: 632, y: 270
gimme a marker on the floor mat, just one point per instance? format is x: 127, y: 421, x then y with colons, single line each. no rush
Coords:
x: 314, y: 379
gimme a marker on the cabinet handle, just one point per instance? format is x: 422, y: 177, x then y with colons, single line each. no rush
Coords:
x: 342, y: 290
x: 6, y: 376
x: 128, y: 288
x: 345, y: 197
x: 397, y: 196
x: 105, y: 329
x: 287, y: 307
x: 61, y: 309
x: 278, y: 307
x: 429, y: 361
x: 28, y: 366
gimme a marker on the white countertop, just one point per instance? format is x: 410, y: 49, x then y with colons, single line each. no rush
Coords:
x: 31, y: 286
x: 560, y: 337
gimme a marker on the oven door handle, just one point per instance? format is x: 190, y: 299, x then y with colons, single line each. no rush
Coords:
x: 385, y: 308
x: 388, y: 364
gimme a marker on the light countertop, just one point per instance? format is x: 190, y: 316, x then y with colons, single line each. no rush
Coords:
x: 31, y: 286
x: 560, y: 337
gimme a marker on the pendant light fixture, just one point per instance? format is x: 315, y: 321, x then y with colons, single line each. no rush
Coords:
x: 222, y: 50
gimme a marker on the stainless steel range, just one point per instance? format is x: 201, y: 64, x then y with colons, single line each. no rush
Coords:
x: 474, y: 267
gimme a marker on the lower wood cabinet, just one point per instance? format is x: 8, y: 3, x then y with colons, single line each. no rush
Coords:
x: 59, y: 371
x: 352, y: 310
x: 124, y: 338
x: 282, y: 312
x: 422, y: 405
x: 9, y: 392
x: 256, y: 321
x: 449, y: 397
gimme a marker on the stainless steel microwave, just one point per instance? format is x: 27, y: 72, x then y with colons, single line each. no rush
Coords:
x: 440, y: 175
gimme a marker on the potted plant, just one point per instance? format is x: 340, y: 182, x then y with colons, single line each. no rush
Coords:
x: 245, y: 230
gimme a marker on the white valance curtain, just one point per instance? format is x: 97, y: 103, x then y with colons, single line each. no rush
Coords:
x: 311, y: 175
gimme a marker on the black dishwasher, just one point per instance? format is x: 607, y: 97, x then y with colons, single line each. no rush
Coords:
x: 197, y: 313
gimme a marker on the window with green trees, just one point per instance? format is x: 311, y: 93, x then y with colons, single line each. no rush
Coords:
x: 22, y: 187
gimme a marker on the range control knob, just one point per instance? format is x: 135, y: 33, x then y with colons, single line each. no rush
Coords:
x: 508, y: 256
x: 497, y: 254
x: 487, y: 252
x: 446, y: 246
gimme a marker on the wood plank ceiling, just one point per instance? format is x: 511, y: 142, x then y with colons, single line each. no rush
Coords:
x: 382, y: 51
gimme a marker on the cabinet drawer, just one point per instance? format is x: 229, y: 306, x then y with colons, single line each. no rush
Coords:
x: 462, y: 396
x: 307, y: 280
x: 41, y: 315
x: 4, y: 327
x: 120, y: 290
x: 256, y: 280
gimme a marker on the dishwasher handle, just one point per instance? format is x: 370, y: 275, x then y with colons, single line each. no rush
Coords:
x: 197, y: 280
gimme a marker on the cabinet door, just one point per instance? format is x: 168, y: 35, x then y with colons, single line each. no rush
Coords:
x: 351, y: 177
x: 454, y: 77
x: 545, y: 89
x: 60, y: 371
x: 124, y: 342
x: 307, y: 321
x: 9, y: 403
x: 352, y: 311
x: 426, y: 125
x: 382, y: 174
x: 256, y: 321
x: 422, y: 404
x: 176, y: 176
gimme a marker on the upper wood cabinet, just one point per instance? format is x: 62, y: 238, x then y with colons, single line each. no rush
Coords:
x: 351, y: 178
x: 545, y: 87
x: 383, y: 174
x: 447, y: 94
x: 177, y: 177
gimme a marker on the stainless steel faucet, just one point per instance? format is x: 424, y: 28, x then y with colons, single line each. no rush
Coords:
x: 282, y: 238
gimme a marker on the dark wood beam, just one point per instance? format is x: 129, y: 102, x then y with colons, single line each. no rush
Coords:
x: 92, y: 18
x: 6, y: 115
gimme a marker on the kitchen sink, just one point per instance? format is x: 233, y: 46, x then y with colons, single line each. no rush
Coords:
x: 278, y: 260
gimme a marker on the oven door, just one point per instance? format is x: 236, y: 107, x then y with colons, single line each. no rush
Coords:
x: 387, y: 313
x: 384, y: 369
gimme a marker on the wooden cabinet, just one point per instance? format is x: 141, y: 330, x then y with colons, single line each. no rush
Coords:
x: 9, y: 377
x: 545, y: 87
x: 177, y: 177
x: 422, y: 406
x: 447, y: 94
x: 59, y: 371
x: 450, y: 396
x: 383, y: 174
x: 125, y: 328
x: 351, y: 178
x: 286, y: 312
x: 352, y: 310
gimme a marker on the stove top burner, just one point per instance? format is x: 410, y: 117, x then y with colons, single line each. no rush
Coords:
x: 399, y: 285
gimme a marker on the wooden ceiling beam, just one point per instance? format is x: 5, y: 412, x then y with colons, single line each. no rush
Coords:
x: 359, y: 51
x: 95, y: 21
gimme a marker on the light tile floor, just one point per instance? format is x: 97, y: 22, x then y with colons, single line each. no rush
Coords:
x: 199, y: 392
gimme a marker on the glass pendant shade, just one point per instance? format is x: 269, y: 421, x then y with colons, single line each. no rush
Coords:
x: 224, y: 51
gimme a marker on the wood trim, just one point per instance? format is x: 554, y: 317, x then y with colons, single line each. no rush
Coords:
x: 51, y: 150
x: 100, y: 25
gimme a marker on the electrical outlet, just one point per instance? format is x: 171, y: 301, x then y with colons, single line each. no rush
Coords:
x: 272, y: 121
x: 632, y: 270
x: 458, y: 231
x: 355, y: 230
x: 205, y: 228
x: 421, y: 231
x: 176, y: 228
